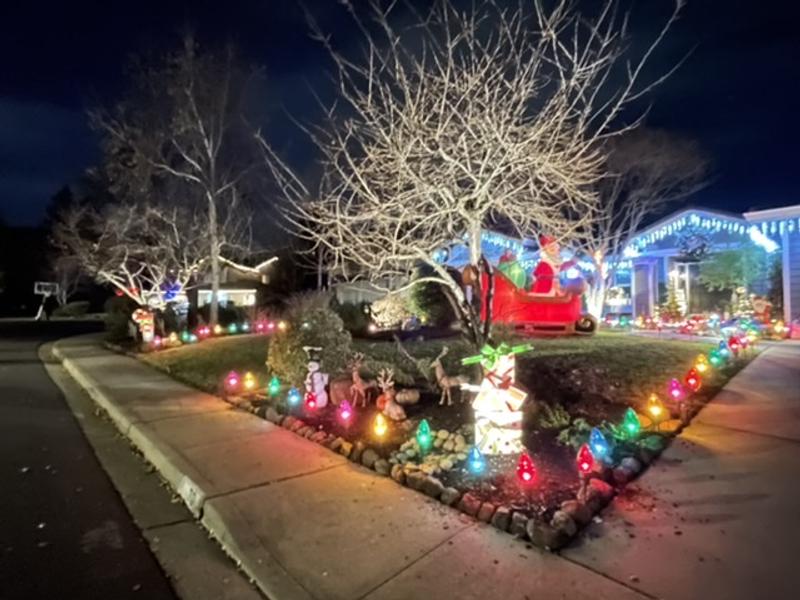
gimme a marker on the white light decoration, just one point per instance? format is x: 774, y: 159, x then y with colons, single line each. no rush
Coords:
x: 497, y: 406
x: 760, y: 239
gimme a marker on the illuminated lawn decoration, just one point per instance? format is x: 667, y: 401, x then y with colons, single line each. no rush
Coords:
x: 498, y: 418
x: 157, y: 342
x: 282, y: 325
x: 475, y: 461
x: 380, y: 426
x: 424, y: 438
x: 585, y: 460
x: 345, y: 412
x: 723, y: 350
x: 185, y: 336
x: 270, y: 326
x: 655, y: 408
x: 526, y: 471
x: 203, y: 332
x: 232, y: 328
x: 630, y: 424
x: 693, y: 380
x: 734, y: 344
x: 260, y: 326
x: 676, y: 391
x: 218, y: 329
x: 714, y: 358
x: 599, y: 445
x: 245, y: 326
x: 293, y: 396
x: 701, y: 364
x: 173, y: 338
x: 232, y: 381
x: 274, y: 386
x: 193, y: 338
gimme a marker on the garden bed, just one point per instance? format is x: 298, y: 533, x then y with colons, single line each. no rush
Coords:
x: 573, y: 383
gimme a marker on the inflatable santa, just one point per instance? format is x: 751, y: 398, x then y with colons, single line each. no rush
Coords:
x: 550, y: 265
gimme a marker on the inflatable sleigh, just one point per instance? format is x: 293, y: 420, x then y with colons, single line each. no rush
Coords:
x: 537, y: 313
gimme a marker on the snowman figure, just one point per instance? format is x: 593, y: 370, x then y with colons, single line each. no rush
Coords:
x: 316, y: 381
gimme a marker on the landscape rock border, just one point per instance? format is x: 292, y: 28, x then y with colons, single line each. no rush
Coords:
x: 565, y: 524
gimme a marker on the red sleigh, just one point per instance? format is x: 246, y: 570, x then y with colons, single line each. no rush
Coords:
x: 537, y: 313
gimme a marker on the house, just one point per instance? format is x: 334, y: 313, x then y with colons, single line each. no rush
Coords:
x: 241, y: 285
x: 672, y: 249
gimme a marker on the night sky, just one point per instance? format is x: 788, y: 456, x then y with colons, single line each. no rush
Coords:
x: 737, y: 93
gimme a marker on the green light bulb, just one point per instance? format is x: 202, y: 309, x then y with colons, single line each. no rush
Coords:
x: 274, y: 386
x: 630, y: 423
x: 424, y: 435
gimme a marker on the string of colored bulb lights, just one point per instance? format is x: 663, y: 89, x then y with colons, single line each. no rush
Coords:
x: 596, y: 452
x: 204, y: 332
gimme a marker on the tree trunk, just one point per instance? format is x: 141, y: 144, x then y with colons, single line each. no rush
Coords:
x: 213, y: 234
x: 320, y: 263
x: 597, y: 298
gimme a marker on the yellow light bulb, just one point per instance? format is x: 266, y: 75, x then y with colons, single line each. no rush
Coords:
x: 249, y: 381
x: 380, y: 426
x: 701, y: 364
x: 282, y: 325
x: 654, y: 406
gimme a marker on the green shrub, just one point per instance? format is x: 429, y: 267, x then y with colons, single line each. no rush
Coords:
x: 72, y: 309
x: 429, y: 303
x: 354, y: 316
x: 554, y: 416
x: 575, y: 434
x: 316, y: 326
x: 118, y: 311
x: 226, y: 314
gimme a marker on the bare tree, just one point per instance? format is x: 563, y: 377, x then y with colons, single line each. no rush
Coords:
x: 646, y: 171
x: 459, y: 121
x: 67, y: 273
x: 138, y: 249
x: 183, y: 125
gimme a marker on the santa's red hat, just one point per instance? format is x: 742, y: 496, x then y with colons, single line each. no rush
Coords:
x: 545, y: 240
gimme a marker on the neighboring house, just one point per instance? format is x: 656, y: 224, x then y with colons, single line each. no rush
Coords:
x: 241, y: 285
x: 665, y: 250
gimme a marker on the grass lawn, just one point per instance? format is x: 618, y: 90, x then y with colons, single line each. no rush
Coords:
x: 204, y: 365
x: 585, y: 374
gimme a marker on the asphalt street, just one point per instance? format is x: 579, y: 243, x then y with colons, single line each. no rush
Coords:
x: 64, y: 530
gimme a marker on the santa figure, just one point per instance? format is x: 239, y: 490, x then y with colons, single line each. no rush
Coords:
x: 550, y: 265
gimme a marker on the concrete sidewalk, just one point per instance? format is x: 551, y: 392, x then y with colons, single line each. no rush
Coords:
x: 717, y: 516
x: 306, y: 523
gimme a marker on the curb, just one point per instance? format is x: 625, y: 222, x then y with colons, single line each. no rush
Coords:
x: 169, y: 464
x: 267, y: 574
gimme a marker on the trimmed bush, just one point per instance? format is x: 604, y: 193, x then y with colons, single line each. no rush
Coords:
x: 118, y: 311
x: 318, y: 325
x: 354, y: 316
x: 226, y: 314
x: 72, y: 309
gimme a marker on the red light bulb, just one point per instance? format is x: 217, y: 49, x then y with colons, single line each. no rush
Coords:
x: 311, y: 400
x: 526, y: 472
x: 585, y: 460
x: 692, y: 380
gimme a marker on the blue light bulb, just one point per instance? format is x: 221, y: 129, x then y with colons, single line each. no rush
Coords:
x: 598, y: 444
x: 475, y: 461
x: 293, y: 397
